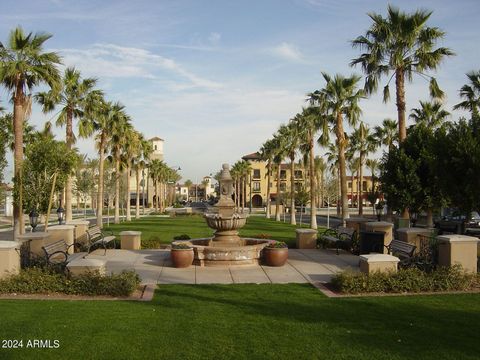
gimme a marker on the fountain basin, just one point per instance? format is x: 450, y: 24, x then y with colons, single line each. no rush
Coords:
x: 220, y: 223
x: 208, y: 253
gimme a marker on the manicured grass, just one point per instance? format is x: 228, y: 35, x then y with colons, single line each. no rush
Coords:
x: 164, y: 229
x: 292, y: 321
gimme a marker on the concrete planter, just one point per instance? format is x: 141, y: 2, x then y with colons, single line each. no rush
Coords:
x: 275, y: 256
x: 181, y: 258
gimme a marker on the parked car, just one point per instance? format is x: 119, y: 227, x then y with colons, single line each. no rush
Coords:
x: 458, y: 223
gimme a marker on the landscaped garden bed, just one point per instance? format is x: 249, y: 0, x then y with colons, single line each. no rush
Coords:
x: 411, y: 280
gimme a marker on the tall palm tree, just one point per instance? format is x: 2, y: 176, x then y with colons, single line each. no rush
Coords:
x: 279, y: 155
x: 140, y: 161
x: 23, y: 65
x: 188, y: 183
x: 334, y: 167
x: 320, y: 169
x: 373, y: 166
x: 471, y: 94
x: 290, y: 135
x: 430, y: 114
x: 72, y: 96
x: 387, y: 134
x: 117, y: 141
x: 155, y: 170
x: 267, y: 152
x: 401, y: 44
x: 364, y: 143
x: 131, y: 148
x: 340, y: 98
x: 309, y: 122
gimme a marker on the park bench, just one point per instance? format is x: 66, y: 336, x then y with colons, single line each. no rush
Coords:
x: 97, y: 236
x: 56, y: 253
x: 341, y: 237
x: 401, y: 249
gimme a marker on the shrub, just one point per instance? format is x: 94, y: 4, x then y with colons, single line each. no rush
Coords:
x: 182, y: 237
x: 181, y: 246
x: 153, y: 242
x: 277, y: 245
x: 406, y: 280
x: 47, y: 281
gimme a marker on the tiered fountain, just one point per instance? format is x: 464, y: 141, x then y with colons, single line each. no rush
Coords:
x: 226, y: 247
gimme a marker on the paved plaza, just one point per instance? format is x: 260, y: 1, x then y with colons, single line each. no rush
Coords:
x: 155, y: 267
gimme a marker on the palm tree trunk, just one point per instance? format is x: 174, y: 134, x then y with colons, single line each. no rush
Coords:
x: 100, y: 181
x: 277, y: 200
x: 351, y: 191
x: 339, y: 192
x: 343, y: 173
x: 401, y: 105
x: 269, y: 169
x: 117, y: 190
x: 430, y: 218
x: 313, y: 209
x: 155, y: 185
x: 322, y: 189
x: 18, y: 117
x: 293, y: 221
x: 129, y: 217
x: 137, y: 200
x: 360, y: 186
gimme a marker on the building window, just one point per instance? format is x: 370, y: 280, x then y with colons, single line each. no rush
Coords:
x: 155, y: 147
x: 298, y: 186
x: 298, y: 174
x: 283, y: 187
x: 349, y: 184
x: 283, y: 174
x: 256, y: 173
x: 364, y: 185
x: 256, y: 186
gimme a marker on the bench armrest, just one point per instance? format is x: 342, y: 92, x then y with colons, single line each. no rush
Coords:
x: 58, y: 252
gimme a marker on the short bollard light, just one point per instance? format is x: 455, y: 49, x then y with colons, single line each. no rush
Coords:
x: 33, y: 216
x: 413, y: 218
x: 60, y: 215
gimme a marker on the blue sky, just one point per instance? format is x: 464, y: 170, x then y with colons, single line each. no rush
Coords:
x: 215, y: 79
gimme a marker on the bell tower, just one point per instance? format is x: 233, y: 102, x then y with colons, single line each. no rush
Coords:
x: 157, y: 145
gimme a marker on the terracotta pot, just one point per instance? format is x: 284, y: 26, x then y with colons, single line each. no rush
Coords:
x: 275, y: 256
x: 181, y: 258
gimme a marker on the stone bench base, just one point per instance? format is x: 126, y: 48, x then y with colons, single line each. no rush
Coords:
x: 378, y: 262
x: 82, y: 266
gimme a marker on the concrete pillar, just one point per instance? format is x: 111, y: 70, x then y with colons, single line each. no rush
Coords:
x: 371, y: 263
x: 37, y: 240
x: 131, y: 240
x: 381, y: 226
x: 357, y: 223
x: 458, y: 249
x: 306, y: 238
x: 9, y: 258
x: 59, y: 232
x: 81, y: 227
x: 411, y: 236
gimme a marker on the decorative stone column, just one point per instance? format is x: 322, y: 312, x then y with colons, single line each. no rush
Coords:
x: 458, y: 249
x: 9, y: 258
x: 357, y: 223
x: 81, y: 227
x: 37, y: 240
x: 411, y: 236
x: 306, y: 238
x: 381, y: 226
x: 370, y: 263
x: 62, y: 232
x: 131, y: 240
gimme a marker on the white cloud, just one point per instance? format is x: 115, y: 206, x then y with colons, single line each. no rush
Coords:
x: 288, y: 52
x: 113, y: 61
x: 214, y: 38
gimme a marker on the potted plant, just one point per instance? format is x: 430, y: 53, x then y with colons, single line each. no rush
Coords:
x: 182, y: 255
x: 275, y: 253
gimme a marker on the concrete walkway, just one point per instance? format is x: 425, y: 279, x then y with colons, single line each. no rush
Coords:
x: 155, y: 267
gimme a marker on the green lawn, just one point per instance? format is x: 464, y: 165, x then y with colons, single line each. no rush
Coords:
x: 292, y: 321
x: 165, y: 229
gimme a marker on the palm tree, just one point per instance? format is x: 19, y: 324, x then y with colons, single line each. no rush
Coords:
x: 309, y: 121
x: 363, y: 142
x: 24, y: 65
x: 471, y: 94
x: 188, y: 184
x: 401, y: 44
x: 73, y: 96
x: 332, y: 159
x: 267, y: 153
x: 117, y: 141
x: 373, y: 166
x: 340, y: 98
x: 278, y: 155
x: 131, y: 148
x: 320, y: 168
x: 140, y: 161
x: 290, y: 135
x: 387, y: 134
x: 155, y: 170
x: 430, y: 114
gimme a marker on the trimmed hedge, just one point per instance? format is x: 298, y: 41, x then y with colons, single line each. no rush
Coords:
x: 45, y: 281
x: 406, y: 280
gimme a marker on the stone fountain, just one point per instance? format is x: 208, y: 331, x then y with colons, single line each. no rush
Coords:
x: 226, y: 247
